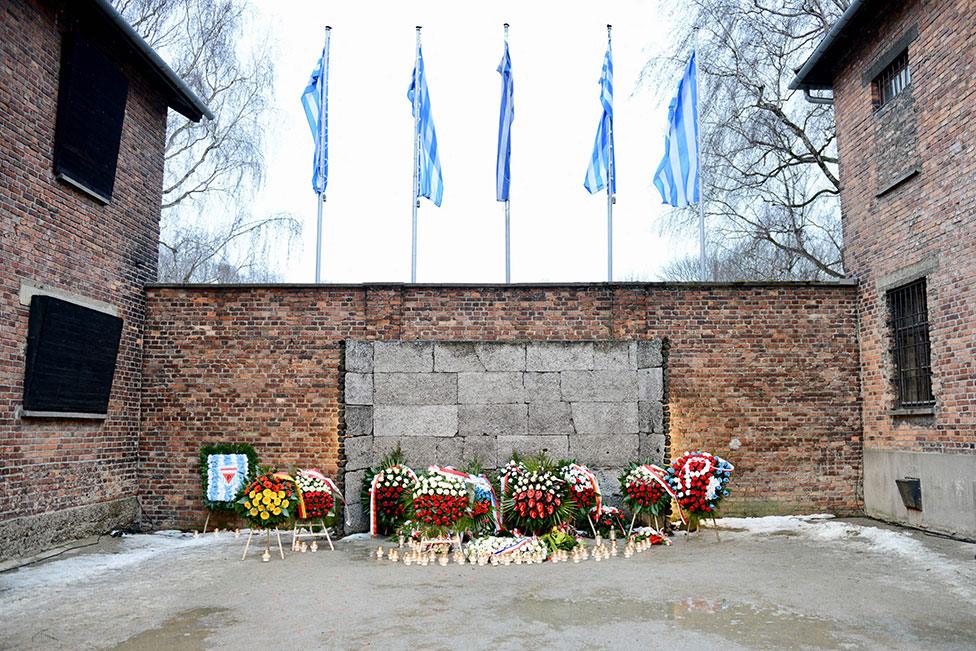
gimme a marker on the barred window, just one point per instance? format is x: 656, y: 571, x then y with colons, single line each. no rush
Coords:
x: 911, y: 350
x: 893, y: 79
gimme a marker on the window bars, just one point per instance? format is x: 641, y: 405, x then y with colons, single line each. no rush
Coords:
x: 911, y: 350
x: 893, y: 80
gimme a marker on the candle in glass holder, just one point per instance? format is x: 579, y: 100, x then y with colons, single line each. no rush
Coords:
x: 266, y: 556
x: 379, y: 553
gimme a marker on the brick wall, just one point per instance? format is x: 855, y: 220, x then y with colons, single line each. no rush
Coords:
x: 765, y: 375
x: 924, y: 227
x: 53, y: 235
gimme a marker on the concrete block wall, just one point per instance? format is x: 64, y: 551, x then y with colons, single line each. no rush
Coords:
x: 450, y: 402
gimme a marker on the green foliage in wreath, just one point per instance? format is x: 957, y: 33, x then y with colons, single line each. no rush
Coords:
x: 227, y: 448
x: 537, y: 498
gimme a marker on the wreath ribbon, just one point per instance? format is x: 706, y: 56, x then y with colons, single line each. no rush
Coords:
x: 474, y: 480
x: 284, y: 476
x: 658, y: 474
x: 596, y: 486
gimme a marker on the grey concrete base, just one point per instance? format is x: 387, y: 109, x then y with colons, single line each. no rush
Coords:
x: 948, y: 490
x: 28, y: 535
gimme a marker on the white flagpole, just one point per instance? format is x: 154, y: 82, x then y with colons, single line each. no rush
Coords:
x: 323, y: 112
x: 701, y: 186
x: 508, y: 222
x: 416, y: 164
x: 610, y: 197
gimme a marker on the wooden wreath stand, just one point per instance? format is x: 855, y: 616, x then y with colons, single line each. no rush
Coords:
x: 267, y: 547
x: 298, y: 532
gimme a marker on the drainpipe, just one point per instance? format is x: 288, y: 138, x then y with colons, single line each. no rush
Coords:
x: 816, y: 99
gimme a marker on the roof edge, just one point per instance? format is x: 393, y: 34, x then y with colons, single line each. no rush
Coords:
x: 745, y: 284
x: 190, y: 106
x: 799, y: 81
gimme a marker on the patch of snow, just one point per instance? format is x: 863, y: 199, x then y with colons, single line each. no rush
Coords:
x: 822, y: 528
x: 358, y: 537
x: 133, y: 550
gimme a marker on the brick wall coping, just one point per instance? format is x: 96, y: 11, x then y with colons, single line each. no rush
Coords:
x: 843, y: 283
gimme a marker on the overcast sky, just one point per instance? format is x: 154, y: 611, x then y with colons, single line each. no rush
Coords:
x: 558, y: 229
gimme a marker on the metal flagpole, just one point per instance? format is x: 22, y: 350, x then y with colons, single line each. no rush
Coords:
x: 610, y: 198
x: 416, y: 164
x: 508, y: 222
x: 323, y: 112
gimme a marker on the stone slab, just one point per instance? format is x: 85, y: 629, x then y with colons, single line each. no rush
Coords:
x: 598, y: 386
x: 605, y: 417
x: 559, y: 356
x: 359, y: 420
x: 615, y: 355
x: 359, y: 356
x: 493, y: 387
x: 550, y: 418
x: 415, y: 388
x: 541, y: 387
x: 422, y: 451
x: 609, y: 479
x: 650, y: 384
x: 650, y: 353
x: 482, y: 449
x: 499, y: 356
x: 415, y: 420
x: 403, y: 356
x: 652, y: 448
x: 457, y: 356
x: 650, y: 416
x: 353, y: 484
x: 359, y: 388
x: 555, y: 446
x: 604, y: 450
x: 359, y: 452
x: 355, y: 520
x: 492, y: 419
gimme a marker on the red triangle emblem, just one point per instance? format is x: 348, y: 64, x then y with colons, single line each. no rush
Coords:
x: 229, y: 473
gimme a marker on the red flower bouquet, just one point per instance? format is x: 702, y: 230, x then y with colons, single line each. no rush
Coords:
x: 536, y: 499
x: 645, y: 490
x: 439, y: 502
x: 318, y: 494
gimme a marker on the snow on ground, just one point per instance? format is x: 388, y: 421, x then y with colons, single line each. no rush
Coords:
x: 822, y: 528
x: 133, y: 549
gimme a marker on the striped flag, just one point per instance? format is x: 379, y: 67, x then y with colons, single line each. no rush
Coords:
x: 315, y: 99
x: 430, y: 182
x: 677, y: 177
x: 505, y: 118
x: 602, y: 161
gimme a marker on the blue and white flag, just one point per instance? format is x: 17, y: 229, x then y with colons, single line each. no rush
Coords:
x: 677, y: 177
x: 430, y: 183
x: 503, y: 175
x: 315, y: 99
x: 225, y: 476
x: 602, y: 161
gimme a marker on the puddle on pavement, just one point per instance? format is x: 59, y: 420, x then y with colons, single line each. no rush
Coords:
x: 745, y: 624
x: 187, y: 630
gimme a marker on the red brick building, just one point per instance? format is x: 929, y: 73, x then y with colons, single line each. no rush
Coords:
x: 903, y: 81
x: 64, y: 476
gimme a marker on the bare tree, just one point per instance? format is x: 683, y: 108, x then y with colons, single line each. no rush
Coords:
x: 768, y: 157
x: 214, y: 166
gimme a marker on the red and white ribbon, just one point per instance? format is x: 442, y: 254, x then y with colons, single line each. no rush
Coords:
x: 658, y: 474
x: 474, y: 480
x: 596, y: 486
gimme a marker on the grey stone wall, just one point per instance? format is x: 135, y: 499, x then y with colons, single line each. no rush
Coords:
x: 600, y: 402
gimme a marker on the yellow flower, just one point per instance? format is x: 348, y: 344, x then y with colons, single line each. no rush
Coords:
x: 266, y: 492
x: 247, y: 505
x: 253, y: 511
x: 277, y: 511
x: 252, y: 494
x: 266, y: 500
x: 284, y: 504
x: 264, y: 515
x: 281, y: 494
